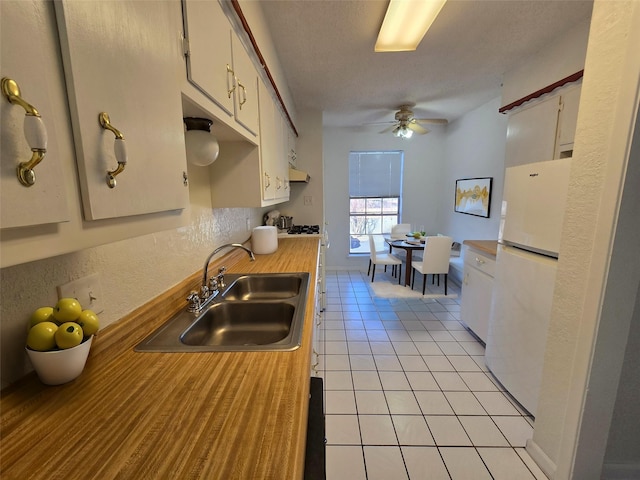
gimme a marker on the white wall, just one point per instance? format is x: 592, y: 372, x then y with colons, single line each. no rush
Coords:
x: 472, y: 146
x: 475, y: 147
x: 423, y: 189
x: 563, y: 56
x: 623, y: 444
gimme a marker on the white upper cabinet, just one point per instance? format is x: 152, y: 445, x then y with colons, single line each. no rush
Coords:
x: 531, y: 133
x: 125, y: 59
x: 268, y: 144
x: 273, y: 156
x: 26, y: 49
x: 208, y: 48
x: 218, y: 65
x: 544, y: 129
x: 48, y: 219
x: 248, y: 176
x: 568, y: 119
x: 291, y: 146
x: 246, y: 87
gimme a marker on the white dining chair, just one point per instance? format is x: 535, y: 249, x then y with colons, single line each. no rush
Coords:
x: 435, y: 260
x: 399, y: 231
x: 382, y: 258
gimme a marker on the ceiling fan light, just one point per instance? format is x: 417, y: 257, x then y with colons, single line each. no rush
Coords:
x: 406, y: 23
x: 401, y: 131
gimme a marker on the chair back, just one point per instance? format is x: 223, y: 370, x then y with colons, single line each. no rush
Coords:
x: 437, y: 251
x: 372, y: 248
x: 400, y: 230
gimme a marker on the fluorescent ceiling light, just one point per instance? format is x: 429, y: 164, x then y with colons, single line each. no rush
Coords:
x: 406, y: 23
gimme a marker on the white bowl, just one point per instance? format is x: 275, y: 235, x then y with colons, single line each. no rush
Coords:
x: 60, y: 366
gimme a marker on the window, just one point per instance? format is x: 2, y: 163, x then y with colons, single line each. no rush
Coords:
x: 375, y: 196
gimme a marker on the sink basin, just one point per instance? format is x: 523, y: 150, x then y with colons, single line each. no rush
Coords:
x: 243, y: 323
x: 265, y: 286
x: 256, y: 312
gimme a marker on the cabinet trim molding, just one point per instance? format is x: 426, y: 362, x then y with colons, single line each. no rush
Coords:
x: 538, y: 93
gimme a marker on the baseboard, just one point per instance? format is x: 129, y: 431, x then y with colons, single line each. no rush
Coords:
x: 620, y: 471
x: 542, y: 460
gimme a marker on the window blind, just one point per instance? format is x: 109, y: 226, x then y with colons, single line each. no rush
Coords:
x: 375, y: 174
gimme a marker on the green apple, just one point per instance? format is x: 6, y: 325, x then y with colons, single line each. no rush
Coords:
x: 41, y: 336
x: 89, y: 322
x: 68, y: 335
x: 42, y: 314
x: 67, y: 310
x: 416, y: 235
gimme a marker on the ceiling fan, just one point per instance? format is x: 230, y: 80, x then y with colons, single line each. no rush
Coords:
x: 405, y: 124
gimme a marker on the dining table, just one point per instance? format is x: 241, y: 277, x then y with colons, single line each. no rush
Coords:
x: 409, y: 246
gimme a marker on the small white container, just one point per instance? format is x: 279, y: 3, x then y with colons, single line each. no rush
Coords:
x: 264, y: 240
x: 60, y: 366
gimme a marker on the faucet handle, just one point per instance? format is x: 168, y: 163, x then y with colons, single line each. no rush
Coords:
x: 194, y: 302
x: 220, y: 277
x: 213, y: 285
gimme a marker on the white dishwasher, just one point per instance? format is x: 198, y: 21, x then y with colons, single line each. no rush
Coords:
x: 477, y: 288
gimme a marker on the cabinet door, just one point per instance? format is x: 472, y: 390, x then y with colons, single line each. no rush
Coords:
x: 26, y: 38
x: 282, y: 165
x: 125, y: 58
x: 477, y: 288
x: 531, y: 133
x: 246, y: 91
x: 267, y: 143
x: 209, y: 63
x: 291, y: 146
x: 568, y: 119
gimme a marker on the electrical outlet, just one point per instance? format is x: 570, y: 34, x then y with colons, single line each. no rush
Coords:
x: 87, y: 290
x: 308, y: 200
x: 248, y: 224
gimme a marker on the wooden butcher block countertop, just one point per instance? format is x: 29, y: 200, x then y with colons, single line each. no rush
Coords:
x: 487, y: 246
x: 141, y: 415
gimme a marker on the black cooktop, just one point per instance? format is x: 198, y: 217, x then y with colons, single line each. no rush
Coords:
x: 304, y: 229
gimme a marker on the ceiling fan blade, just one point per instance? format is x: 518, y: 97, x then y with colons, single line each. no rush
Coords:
x: 389, y: 128
x: 435, y: 121
x: 417, y: 128
x: 390, y: 122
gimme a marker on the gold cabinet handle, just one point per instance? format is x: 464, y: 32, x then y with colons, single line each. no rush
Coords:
x: 244, y: 95
x: 34, y: 131
x: 119, y: 148
x: 231, y: 87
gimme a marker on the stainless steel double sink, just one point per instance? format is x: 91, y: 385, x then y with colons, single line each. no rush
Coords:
x: 255, y: 312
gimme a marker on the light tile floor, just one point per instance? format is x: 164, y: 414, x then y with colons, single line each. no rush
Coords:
x: 407, y: 393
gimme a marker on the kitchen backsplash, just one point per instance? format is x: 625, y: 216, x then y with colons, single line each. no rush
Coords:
x: 131, y: 273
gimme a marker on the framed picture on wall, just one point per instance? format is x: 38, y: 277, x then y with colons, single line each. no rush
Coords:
x: 473, y: 196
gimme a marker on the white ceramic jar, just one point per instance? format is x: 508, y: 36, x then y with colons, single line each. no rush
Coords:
x: 264, y: 240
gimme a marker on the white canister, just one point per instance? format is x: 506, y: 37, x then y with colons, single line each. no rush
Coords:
x: 264, y: 240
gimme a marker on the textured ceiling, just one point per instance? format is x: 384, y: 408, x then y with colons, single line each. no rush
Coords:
x: 326, y: 50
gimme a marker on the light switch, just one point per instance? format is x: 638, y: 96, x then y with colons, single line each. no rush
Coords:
x: 87, y: 290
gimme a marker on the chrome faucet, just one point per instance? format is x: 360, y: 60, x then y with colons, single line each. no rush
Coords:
x: 209, y: 288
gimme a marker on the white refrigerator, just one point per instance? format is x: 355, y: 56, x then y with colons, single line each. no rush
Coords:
x: 534, y: 203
